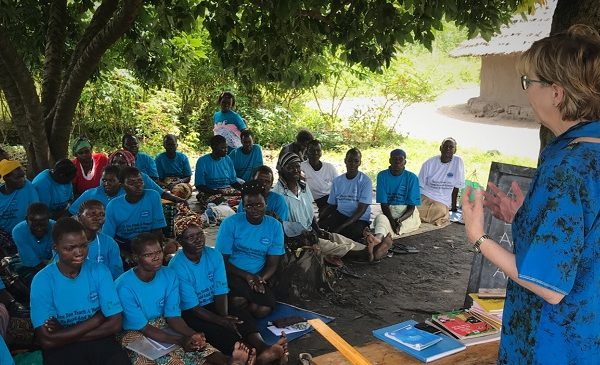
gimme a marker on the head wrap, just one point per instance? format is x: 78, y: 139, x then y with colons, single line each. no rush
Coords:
x: 79, y: 144
x: 398, y: 152
x: 128, y: 157
x: 288, y: 158
x: 186, y: 218
x: 8, y: 166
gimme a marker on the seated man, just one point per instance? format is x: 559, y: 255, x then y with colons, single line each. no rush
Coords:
x: 88, y: 166
x: 109, y: 189
x: 440, y: 179
x: 16, y: 194
x: 276, y: 205
x: 75, y: 309
x: 173, y: 166
x: 398, y: 194
x: 135, y: 212
x: 251, y: 244
x: 298, y: 147
x: 302, y: 222
x: 215, y: 174
x: 143, y: 161
x: 349, y: 210
x: 319, y: 175
x: 101, y: 248
x: 55, y: 187
x: 247, y: 157
x: 34, y: 241
x: 203, y: 290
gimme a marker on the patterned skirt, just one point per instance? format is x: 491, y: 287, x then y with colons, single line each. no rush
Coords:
x: 175, y: 357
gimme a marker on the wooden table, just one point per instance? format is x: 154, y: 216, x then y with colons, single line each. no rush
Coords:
x: 380, y: 353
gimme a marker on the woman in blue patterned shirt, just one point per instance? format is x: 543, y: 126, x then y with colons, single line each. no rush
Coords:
x: 552, y: 309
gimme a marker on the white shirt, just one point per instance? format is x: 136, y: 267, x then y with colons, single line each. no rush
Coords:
x: 320, y: 181
x: 437, y: 179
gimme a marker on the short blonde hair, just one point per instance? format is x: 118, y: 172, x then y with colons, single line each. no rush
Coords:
x: 572, y: 60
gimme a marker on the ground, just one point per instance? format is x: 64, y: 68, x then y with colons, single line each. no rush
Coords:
x: 411, y: 286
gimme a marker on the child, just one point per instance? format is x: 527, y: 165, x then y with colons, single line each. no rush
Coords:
x: 75, y: 309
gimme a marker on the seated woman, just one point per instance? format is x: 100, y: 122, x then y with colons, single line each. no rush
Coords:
x: 55, y: 187
x: 215, y: 174
x: 109, y: 188
x: 101, y: 248
x: 88, y: 166
x: 149, y: 294
x: 34, y: 242
x: 124, y: 158
x: 75, y: 309
x: 276, y: 205
x: 247, y: 157
x: 251, y: 244
x: 173, y: 166
x: 203, y: 290
x: 16, y: 194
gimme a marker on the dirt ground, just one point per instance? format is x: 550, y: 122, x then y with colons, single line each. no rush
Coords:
x: 402, y: 287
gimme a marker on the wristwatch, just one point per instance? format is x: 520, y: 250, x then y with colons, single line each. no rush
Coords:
x: 480, y: 241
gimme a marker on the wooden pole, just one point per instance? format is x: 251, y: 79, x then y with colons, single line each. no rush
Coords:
x: 339, y: 343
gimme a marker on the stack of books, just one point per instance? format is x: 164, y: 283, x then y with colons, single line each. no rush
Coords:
x: 467, y: 326
x: 488, y: 308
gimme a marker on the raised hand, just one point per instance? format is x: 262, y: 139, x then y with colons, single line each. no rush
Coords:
x: 502, y: 206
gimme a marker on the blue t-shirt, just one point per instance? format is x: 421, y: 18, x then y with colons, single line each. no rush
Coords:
x: 143, y: 302
x: 177, y: 167
x: 151, y: 184
x: 214, y: 174
x: 275, y: 203
x: 555, y: 237
x: 200, y: 282
x: 229, y: 117
x: 104, y: 250
x: 95, y: 193
x: 127, y: 220
x: 56, y: 196
x: 398, y: 190
x: 5, y: 356
x: 31, y: 250
x: 13, y: 206
x: 72, y: 301
x: 248, y: 245
x: 146, y: 164
x: 347, y: 193
x: 244, y: 164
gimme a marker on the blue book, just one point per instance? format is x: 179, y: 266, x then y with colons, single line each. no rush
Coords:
x: 444, y: 347
x: 413, y: 337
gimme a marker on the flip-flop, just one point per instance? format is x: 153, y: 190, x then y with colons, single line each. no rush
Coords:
x: 363, y: 262
x: 400, y: 248
x: 345, y: 270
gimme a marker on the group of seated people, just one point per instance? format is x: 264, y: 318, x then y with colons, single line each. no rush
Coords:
x: 85, y: 239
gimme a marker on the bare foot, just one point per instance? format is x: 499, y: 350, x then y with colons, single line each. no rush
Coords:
x: 370, y: 246
x: 371, y: 238
x: 240, y: 354
x: 252, y: 357
x: 276, y: 353
x: 381, y: 249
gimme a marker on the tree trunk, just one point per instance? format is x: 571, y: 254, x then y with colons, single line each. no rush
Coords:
x: 567, y: 13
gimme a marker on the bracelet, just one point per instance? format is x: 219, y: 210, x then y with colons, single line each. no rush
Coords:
x: 480, y: 241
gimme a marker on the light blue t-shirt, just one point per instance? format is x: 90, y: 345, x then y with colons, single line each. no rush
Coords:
x: 31, y: 250
x: 398, y: 190
x: 73, y: 301
x: 229, y: 117
x: 146, y: 164
x: 56, y: 196
x: 96, y: 193
x: 176, y: 167
x: 214, y: 174
x: 200, y: 282
x: 13, y: 207
x: 275, y: 203
x: 104, y: 250
x: 248, y: 245
x: 347, y: 193
x: 5, y: 356
x: 244, y: 164
x: 143, y: 302
x: 127, y: 220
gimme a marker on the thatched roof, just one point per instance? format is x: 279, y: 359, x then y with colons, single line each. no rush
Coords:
x: 514, y: 38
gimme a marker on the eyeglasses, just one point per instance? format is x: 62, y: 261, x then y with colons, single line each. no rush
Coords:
x: 526, y: 82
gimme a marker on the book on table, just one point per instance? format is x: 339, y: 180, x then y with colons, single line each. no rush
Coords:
x: 464, y: 324
x: 445, y: 346
x: 467, y: 341
x: 413, y: 337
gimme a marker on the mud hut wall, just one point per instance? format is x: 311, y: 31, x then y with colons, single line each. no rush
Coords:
x: 500, y: 80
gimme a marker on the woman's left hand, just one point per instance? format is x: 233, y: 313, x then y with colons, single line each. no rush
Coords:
x: 472, y: 213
